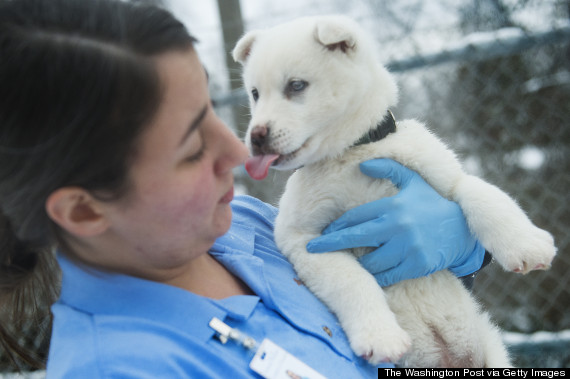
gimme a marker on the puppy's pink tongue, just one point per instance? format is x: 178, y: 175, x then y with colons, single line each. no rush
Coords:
x: 258, y: 166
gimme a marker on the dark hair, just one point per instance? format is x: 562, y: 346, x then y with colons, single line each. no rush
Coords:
x: 77, y: 87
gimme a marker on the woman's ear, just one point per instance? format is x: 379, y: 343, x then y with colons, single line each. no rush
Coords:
x: 77, y: 211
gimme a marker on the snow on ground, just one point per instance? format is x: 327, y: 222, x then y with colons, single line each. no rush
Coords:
x: 28, y: 375
x: 538, y: 337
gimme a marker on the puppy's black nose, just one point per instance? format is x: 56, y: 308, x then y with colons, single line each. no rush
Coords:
x: 259, y: 135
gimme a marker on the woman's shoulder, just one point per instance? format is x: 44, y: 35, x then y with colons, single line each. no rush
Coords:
x: 111, y: 346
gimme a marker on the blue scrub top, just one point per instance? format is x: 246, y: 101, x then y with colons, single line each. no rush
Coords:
x: 116, y: 326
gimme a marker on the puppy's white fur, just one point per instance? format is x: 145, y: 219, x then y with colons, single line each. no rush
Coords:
x: 431, y: 321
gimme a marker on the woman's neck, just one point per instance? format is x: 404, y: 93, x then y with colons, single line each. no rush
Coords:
x: 207, y: 277
x: 202, y: 275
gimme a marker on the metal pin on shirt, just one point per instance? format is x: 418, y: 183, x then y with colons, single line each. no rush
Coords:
x: 226, y: 333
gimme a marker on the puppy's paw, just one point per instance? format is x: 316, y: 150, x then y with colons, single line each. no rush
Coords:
x: 381, y: 344
x: 534, y: 250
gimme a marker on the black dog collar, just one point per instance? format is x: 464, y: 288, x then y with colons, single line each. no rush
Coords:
x: 384, y: 127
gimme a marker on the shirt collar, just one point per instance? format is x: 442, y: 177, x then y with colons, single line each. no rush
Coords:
x: 102, y: 293
x: 240, y: 237
x: 287, y: 296
x: 236, y: 251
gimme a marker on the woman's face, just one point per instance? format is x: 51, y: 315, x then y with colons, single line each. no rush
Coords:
x: 182, y: 175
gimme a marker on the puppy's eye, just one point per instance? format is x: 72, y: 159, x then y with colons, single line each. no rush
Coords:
x: 255, y: 94
x: 296, y: 85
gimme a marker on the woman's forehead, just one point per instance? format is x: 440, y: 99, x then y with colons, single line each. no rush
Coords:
x: 184, y: 95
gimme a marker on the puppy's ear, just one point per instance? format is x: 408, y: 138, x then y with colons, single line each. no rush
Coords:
x: 243, y: 47
x: 336, y: 33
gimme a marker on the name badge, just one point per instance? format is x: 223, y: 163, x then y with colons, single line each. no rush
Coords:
x: 273, y: 362
x: 270, y: 361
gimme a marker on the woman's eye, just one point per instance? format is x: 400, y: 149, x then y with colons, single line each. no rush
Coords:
x: 255, y: 94
x: 199, y: 143
x: 198, y: 155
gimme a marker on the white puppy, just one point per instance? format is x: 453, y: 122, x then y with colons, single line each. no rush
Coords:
x: 316, y: 86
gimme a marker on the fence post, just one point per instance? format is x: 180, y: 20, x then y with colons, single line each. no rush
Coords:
x: 232, y: 26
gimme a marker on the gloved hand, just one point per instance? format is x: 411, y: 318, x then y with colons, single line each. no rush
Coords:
x: 417, y: 231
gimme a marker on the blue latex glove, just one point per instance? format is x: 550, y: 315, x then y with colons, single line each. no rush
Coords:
x: 417, y: 231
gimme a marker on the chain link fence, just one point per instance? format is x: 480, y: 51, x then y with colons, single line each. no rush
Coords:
x: 492, y: 78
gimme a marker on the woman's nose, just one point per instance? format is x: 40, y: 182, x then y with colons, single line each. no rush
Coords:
x: 233, y: 152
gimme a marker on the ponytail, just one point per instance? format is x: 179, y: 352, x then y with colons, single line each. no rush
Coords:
x: 16, y: 261
x: 28, y: 286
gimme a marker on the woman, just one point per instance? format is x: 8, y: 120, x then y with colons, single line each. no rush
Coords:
x: 113, y: 156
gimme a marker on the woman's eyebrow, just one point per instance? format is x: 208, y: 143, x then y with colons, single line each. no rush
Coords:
x: 194, y: 124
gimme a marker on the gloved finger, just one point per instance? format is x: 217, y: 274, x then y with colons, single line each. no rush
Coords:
x: 384, y: 258
x: 388, y: 169
x: 472, y: 263
x: 360, y: 214
x: 387, y: 278
x: 370, y: 234
x: 421, y: 265
x: 404, y: 271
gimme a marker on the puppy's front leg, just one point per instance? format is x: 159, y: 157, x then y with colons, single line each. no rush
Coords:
x: 353, y: 295
x: 493, y: 216
x: 503, y: 228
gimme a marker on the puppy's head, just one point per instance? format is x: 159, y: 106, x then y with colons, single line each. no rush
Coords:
x: 315, y: 87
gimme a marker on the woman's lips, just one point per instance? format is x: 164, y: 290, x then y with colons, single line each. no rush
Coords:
x: 228, y: 197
